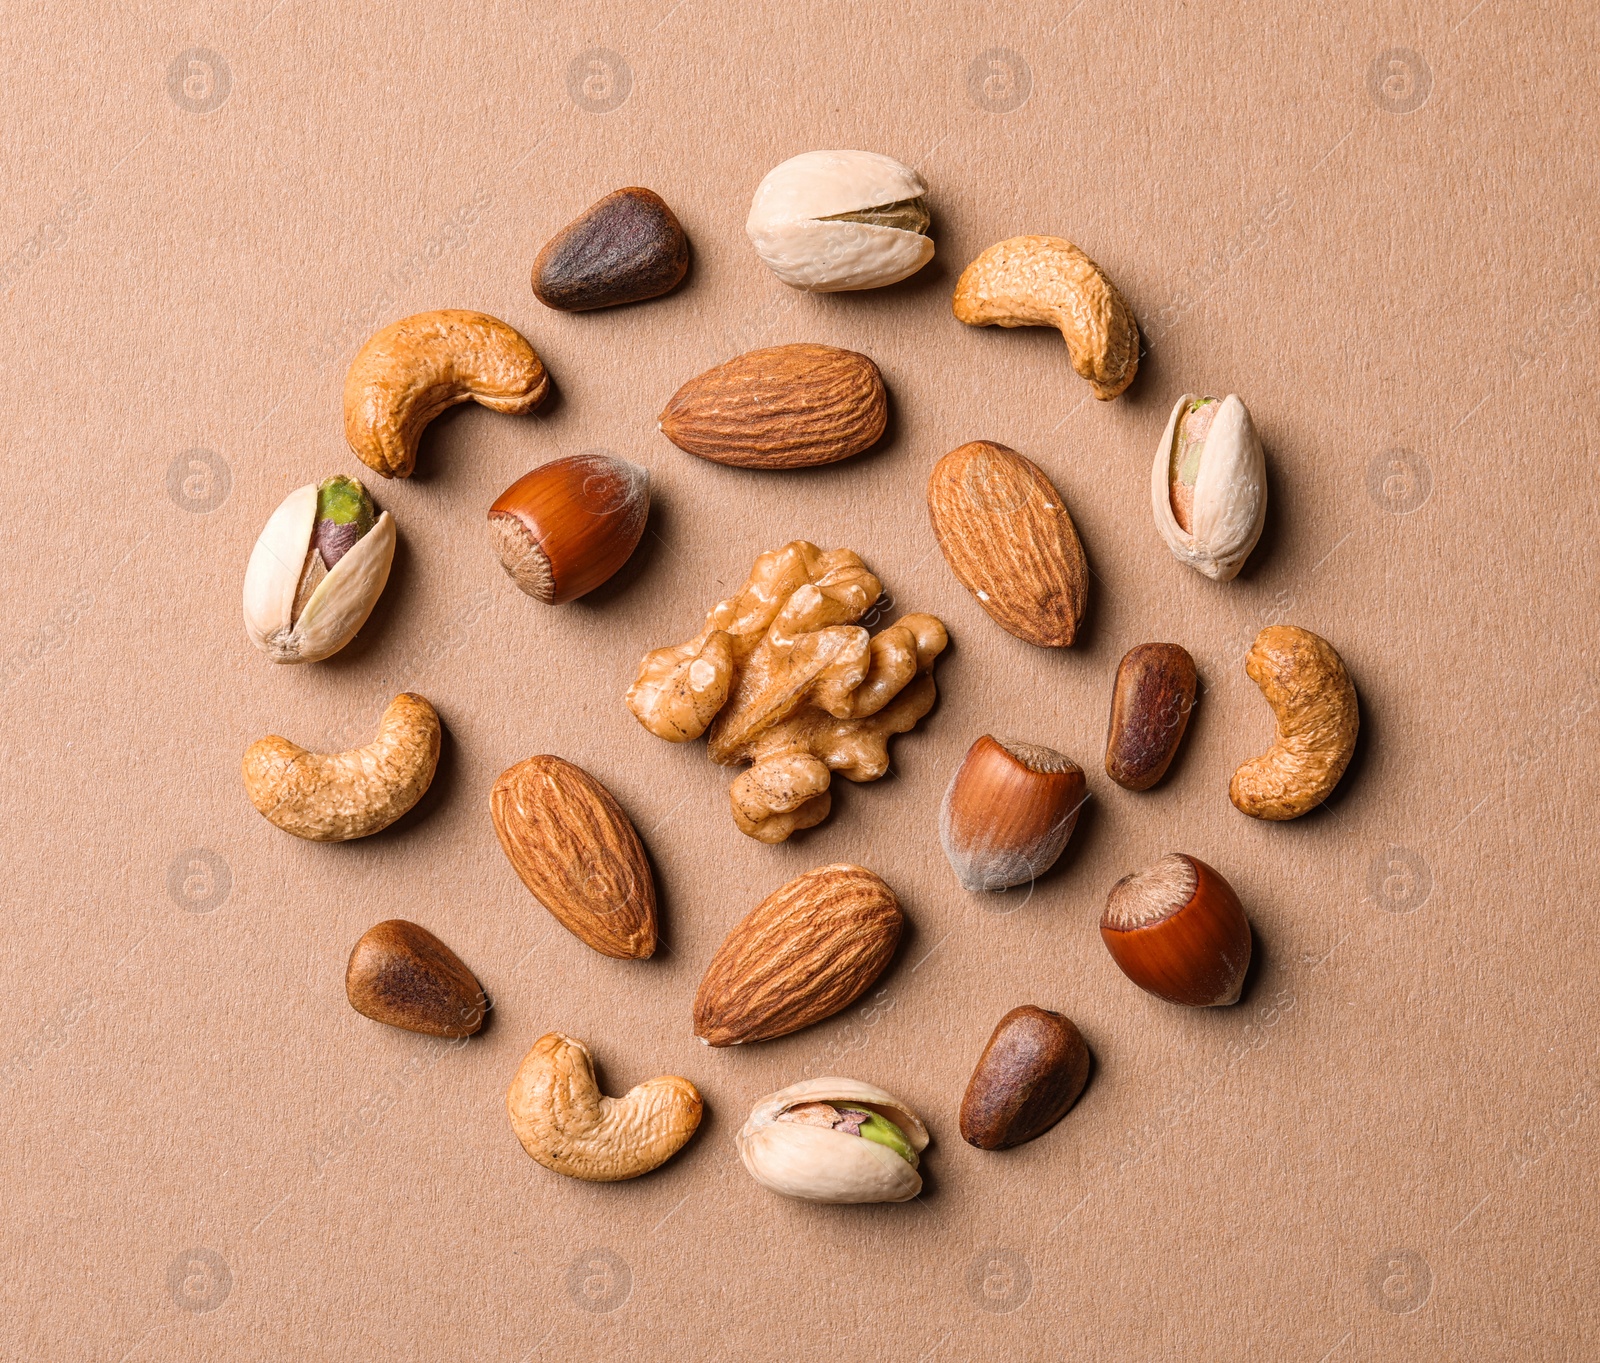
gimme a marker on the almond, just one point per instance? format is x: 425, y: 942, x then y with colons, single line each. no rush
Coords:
x: 575, y: 850
x: 785, y: 407
x: 1007, y: 536
x: 806, y: 951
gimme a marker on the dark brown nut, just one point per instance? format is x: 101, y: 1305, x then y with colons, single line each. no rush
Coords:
x: 627, y: 247
x: 403, y: 975
x: 567, y: 526
x: 1030, y: 1073
x: 1150, y: 707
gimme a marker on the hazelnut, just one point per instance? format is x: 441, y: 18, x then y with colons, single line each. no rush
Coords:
x: 1177, y: 931
x: 566, y: 527
x: 1008, y: 812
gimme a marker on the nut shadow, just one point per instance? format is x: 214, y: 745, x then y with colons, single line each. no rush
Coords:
x: 639, y: 563
x: 398, y: 593
x: 432, y: 465
x: 1274, y: 532
x: 1260, y: 959
x: 441, y: 790
x: 1358, y: 761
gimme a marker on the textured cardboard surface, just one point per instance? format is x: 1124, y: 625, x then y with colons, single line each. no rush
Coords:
x: 1375, y: 224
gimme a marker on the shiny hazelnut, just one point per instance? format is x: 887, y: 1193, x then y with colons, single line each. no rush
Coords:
x: 563, y: 529
x: 1177, y: 931
x: 1008, y: 812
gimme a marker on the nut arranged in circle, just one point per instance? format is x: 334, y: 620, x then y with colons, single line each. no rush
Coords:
x: 1177, y: 931
x: 413, y: 369
x: 834, y: 1140
x: 783, y: 407
x: 1008, y: 538
x: 569, y: 1126
x: 830, y: 221
x: 576, y: 851
x: 317, y: 571
x: 1008, y: 812
x: 1150, y: 708
x: 1029, y: 1075
x: 1314, y: 700
x: 782, y: 678
x: 625, y: 248
x: 401, y: 974
x: 334, y: 797
x: 569, y: 525
x: 808, y: 950
x: 1208, y: 485
x: 1049, y: 282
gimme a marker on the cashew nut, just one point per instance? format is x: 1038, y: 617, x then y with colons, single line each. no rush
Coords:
x: 411, y: 370
x: 1049, y: 282
x: 1309, y: 691
x: 568, y: 1125
x: 333, y: 797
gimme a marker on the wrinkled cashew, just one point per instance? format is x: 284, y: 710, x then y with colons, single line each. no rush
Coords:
x: 333, y: 797
x: 1049, y: 282
x: 411, y: 370
x: 568, y: 1125
x: 783, y: 679
x: 1310, y: 692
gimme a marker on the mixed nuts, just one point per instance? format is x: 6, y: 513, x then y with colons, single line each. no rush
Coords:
x: 784, y: 677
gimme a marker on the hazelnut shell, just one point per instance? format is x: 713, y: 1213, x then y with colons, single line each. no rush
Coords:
x: 563, y: 529
x: 1008, y: 812
x: 1178, y: 932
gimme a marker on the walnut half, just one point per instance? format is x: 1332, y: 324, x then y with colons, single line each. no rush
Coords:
x: 783, y: 678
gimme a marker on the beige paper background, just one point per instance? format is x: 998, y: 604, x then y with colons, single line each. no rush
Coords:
x: 1375, y: 223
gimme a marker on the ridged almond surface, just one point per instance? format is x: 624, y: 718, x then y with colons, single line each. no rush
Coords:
x: 575, y: 850
x: 784, y: 407
x: 806, y: 951
x: 1007, y: 536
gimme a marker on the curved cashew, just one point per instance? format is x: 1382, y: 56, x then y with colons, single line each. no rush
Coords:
x: 411, y: 370
x: 568, y: 1125
x: 1305, y: 683
x: 1049, y: 282
x: 333, y: 797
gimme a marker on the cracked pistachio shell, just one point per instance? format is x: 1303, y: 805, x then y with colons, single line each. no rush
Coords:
x: 818, y: 1165
x: 821, y: 221
x: 1230, y: 492
x: 342, y: 600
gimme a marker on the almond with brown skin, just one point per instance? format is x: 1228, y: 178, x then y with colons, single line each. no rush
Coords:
x: 806, y: 951
x: 1007, y: 537
x: 785, y: 407
x: 575, y: 850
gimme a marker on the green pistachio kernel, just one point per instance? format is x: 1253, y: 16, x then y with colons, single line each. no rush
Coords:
x: 909, y: 215
x: 881, y: 1131
x: 344, y: 514
x: 344, y: 502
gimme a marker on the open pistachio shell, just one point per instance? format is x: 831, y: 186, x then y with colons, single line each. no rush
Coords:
x: 338, y: 606
x: 817, y: 1164
x: 832, y: 221
x: 1229, y: 497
